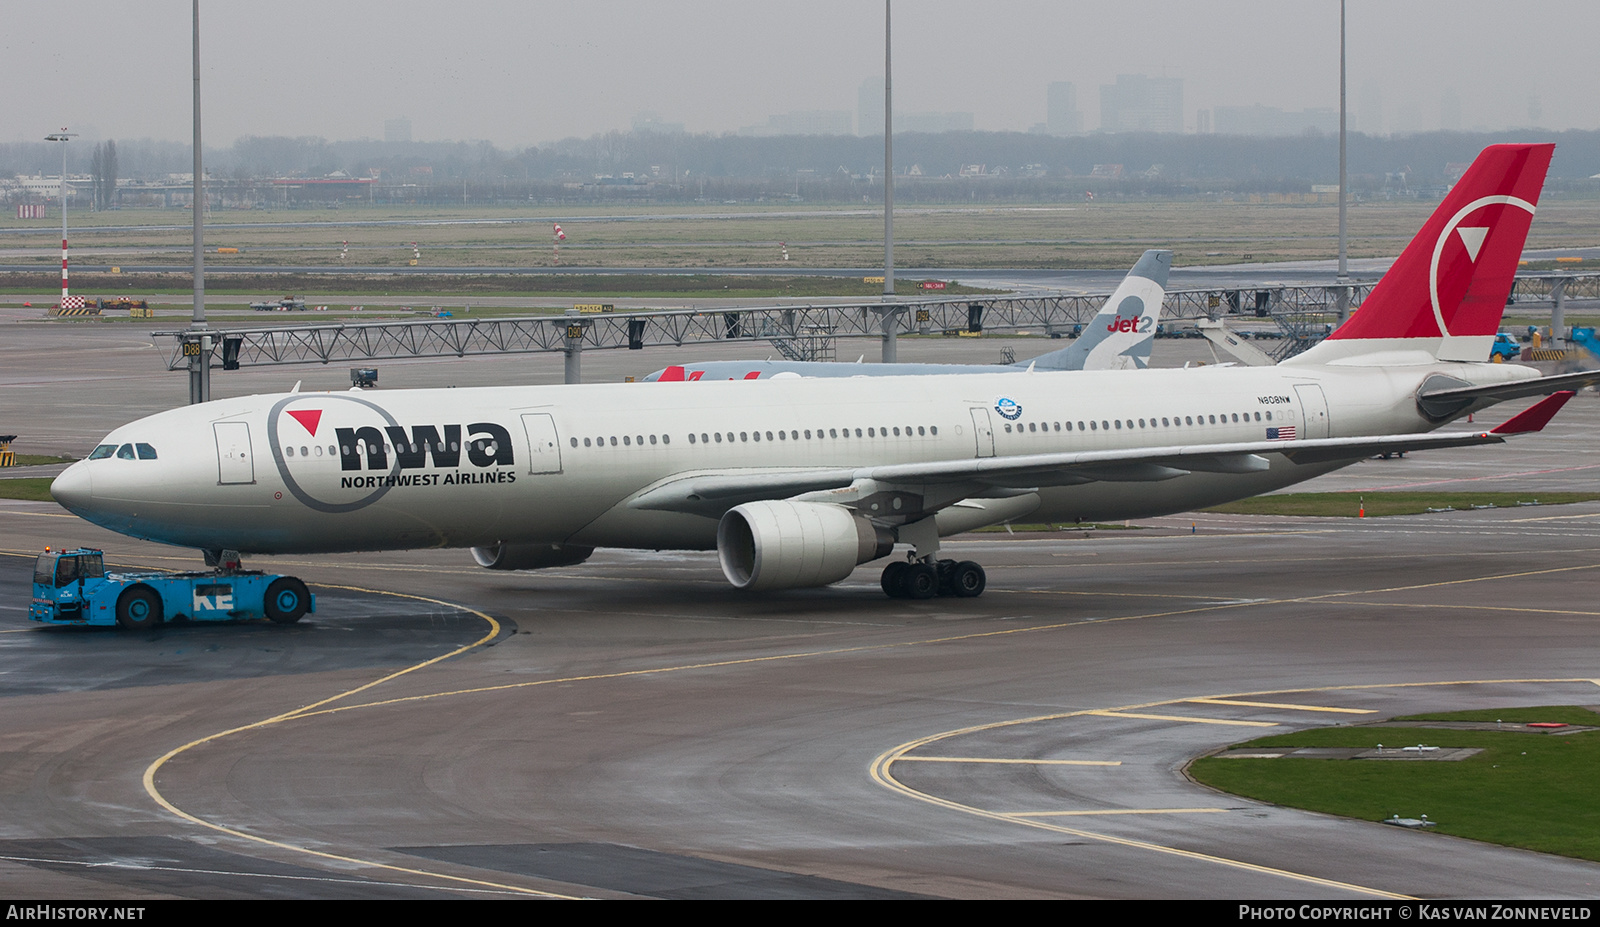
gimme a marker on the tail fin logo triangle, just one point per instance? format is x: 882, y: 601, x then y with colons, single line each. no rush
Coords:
x: 1472, y: 238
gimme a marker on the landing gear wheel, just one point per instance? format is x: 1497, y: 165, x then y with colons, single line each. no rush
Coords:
x: 894, y: 579
x: 921, y: 581
x: 287, y: 600
x: 139, y: 609
x: 968, y: 580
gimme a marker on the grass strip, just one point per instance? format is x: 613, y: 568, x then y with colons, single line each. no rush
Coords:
x: 31, y: 489
x: 1534, y: 791
x: 1381, y: 504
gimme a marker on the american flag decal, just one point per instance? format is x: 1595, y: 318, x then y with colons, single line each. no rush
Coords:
x: 1282, y: 433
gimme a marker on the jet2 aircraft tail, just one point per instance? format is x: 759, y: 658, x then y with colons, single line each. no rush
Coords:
x: 1121, y: 335
x: 1447, y: 291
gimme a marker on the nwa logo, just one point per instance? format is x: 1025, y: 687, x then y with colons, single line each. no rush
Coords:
x: 375, y: 453
x: 489, y: 445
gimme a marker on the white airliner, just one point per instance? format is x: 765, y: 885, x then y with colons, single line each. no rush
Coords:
x: 1119, y: 337
x: 797, y: 481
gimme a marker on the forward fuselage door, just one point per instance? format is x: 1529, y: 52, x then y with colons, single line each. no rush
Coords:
x: 983, y: 432
x: 544, y: 445
x: 235, y: 459
x: 1315, y: 407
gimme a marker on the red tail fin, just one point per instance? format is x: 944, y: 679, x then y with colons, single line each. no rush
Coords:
x: 1448, y: 289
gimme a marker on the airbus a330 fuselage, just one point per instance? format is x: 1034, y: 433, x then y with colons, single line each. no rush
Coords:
x: 796, y: 481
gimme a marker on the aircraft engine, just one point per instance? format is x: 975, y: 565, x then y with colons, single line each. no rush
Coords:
x: 790, y: 545
x: 529, y: 556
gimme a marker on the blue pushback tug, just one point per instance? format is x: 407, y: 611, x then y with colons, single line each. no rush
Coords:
x: 73, y: 587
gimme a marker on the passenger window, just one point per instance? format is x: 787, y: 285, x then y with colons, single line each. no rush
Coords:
x: 666, y: 439
x: 146, y: 452
x: 626, y: 442
x: 288, y: 452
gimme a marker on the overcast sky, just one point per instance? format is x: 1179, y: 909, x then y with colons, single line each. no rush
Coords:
x: 520, y: 73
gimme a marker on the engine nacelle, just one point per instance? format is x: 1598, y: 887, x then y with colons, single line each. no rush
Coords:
x: 529, y: 556
x: 790, y: 545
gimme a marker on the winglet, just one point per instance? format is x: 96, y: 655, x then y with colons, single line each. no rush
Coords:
x: 1535, y: 417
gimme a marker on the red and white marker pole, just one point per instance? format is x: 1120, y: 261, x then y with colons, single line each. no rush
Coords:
x: 63, y: 270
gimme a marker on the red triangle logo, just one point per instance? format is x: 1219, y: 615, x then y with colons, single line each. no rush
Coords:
x: 308, y: 418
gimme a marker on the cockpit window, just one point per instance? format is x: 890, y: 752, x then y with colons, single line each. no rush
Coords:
x: 146, y: 452
x: 103, y: 451
x: 125, y: 452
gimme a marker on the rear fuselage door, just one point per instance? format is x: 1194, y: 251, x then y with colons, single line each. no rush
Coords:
x: 983, y: 432
x: 235, y: 460
x: 1315, y: 406
x: 544, y: 445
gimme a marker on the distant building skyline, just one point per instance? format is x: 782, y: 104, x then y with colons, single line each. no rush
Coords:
x: 1061, y: 113
x: 518, y: 74
x: 1139, y: 103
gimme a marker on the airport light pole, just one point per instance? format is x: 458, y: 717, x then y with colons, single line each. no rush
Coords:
x: 1343, y: 300
x: 890, y: 316
x: 198, y: 344
x: 63, y: 137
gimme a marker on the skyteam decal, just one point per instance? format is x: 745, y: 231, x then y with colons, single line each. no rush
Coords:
x: 375, y: 453
x: 1008, y: 409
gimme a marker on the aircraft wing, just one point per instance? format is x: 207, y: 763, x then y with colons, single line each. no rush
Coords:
x: 936, y: 484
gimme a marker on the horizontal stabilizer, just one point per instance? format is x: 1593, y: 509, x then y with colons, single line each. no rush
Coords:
x: 1516, y: 389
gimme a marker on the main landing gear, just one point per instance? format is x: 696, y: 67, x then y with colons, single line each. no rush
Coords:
x: 924, y: 580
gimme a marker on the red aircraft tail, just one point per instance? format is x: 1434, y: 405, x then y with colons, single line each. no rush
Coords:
x: 1447, y: 291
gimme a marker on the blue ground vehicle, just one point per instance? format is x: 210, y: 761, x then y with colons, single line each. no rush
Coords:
x: 1505, y: 348
x: 73, y: 587
x: 1584, y: 337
